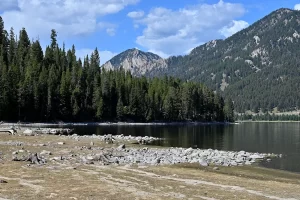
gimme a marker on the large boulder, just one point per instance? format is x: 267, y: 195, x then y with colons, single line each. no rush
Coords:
x: 28, y: 132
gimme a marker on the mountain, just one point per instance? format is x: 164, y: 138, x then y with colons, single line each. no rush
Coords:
x: 138, y: 62
x: 258, y: 67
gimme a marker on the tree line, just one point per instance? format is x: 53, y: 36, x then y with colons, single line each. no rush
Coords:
x: 268, y: 117
x: 57, y: 86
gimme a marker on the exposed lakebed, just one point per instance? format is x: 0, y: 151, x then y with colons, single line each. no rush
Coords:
x: 277, y: 138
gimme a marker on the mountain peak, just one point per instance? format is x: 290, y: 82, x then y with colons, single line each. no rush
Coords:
x: 136, y: 61
x: 287, y: 10
x: 257, y: 67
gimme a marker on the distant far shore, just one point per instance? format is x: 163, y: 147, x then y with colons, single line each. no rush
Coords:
x: 29, y: 124
x: 264, y: 121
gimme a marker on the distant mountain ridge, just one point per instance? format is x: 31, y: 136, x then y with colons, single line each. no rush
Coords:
x: 258, y: 67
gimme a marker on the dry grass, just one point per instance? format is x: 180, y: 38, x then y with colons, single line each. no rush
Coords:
x: 71, y: 180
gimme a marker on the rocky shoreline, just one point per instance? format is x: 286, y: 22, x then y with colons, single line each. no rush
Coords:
x: 169, y: 156
x: 141, y: 155
x: 45, y: 165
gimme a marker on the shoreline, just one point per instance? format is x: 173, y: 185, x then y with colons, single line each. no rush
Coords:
x: 77, y: 164
x: 29, y: 124
x: 267, y: 122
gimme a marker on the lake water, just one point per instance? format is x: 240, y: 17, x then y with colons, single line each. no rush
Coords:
x: 278, y: 138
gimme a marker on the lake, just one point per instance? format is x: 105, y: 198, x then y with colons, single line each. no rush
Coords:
x: 279, y: 138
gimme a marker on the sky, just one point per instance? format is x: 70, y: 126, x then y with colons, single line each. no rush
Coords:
x: 164, y: 27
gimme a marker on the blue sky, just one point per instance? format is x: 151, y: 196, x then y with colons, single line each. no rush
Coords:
x: 165, y: 27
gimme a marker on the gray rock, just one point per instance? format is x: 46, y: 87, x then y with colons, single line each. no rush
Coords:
x: 58, y: 158
x: 203, y: 163
x: 44, y: 152
x: 256, y: 157
x: 61, y: 143
x: 89, y: 162
x: 3, y: 181
x: 188, y: 151
x: 122, y: 146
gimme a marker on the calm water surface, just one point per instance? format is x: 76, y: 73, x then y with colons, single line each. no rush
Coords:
x: 279, y: 138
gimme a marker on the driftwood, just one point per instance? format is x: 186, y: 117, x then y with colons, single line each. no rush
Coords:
x: 12, y: 131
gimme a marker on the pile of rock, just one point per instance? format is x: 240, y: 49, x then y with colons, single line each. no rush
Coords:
x: 109, y: 138
x: 145, y: 156
x: 33, y: 158
x: 48, y: 131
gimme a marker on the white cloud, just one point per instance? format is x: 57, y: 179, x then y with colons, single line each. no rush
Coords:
x: 111, y: 31
x: 108, y: 27
x: 297, y: 7
x: 233, y: 28
x: 82, y: 53
x: 68, y: 17
x: 175, y: 32
x: 9, y: 5
x: 104, y: 55
x: 136, y: 14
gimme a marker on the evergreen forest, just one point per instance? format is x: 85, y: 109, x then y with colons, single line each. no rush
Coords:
x: 55, y: 86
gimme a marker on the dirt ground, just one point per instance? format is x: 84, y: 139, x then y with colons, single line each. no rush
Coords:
x: 75, y: 180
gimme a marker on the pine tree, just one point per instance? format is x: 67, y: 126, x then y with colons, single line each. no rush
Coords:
x: 58, y: 86
x: 229, y: 111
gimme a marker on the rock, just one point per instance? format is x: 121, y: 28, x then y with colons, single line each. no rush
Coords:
x: 92, y: 158
x: 242, y: 152
x: 89, y: 162
x: 188, y: 151
x: 248, y: 163
x: 108, y: 139
x: 58, y: 158
x: 44, y: 152
x: 156, y: 161
x: 3, y: 181
x: 15, y: 153
x: 61, y: 143
x: 92, y: 143
x: 216, y: 168
x: 256, y: 157
x: 21, y: 151
x: 28, y: 132
x: 203, y: 163
x: 145, y: 149
x: 122, y: 146
x: 15, y: 158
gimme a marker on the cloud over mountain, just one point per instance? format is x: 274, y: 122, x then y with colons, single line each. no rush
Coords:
x: 174, y: 32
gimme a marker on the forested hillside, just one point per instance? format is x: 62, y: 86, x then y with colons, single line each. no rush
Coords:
x: 58, y: 86
x: 258, y: 67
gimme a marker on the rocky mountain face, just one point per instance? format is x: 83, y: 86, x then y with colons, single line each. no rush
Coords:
x: 136, y: 61
x: 258, y: 67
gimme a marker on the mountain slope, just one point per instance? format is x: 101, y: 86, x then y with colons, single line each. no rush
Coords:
x: 258, y: 67
x: 138, y: 62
